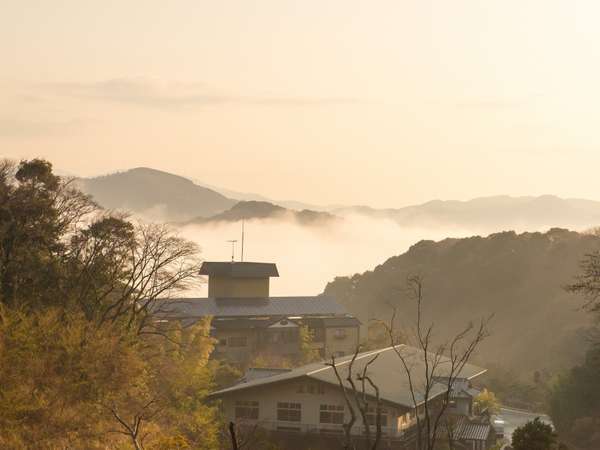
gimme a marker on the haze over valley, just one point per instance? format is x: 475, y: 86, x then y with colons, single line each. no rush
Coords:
x: 333, y: 241
x: 299, y: 225
x: 508, y: 255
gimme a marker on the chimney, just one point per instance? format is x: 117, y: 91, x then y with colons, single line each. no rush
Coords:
x: 238, y: 279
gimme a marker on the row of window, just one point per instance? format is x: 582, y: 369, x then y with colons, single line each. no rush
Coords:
x: 310, y: 388
x: 282, y: 336
x: 234, y: 341
x: 292, y: 412
x: 331, y: 414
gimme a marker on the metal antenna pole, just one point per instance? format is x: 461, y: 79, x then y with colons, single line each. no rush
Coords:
x: 242, y: 240
x: 232, y: 241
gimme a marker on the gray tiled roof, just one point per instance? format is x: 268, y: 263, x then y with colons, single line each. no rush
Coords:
x: 472, y: 431
x: 255, y: 373
x: 240, y: 323
x: 249, y: 307
x: 386, y: 372
x: 332, y: 322
x: 239, y: 269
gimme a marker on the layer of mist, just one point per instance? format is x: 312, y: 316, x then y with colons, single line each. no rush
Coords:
x: 309, y: 257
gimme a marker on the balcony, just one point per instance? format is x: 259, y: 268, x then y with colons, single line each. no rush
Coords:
x: 325, y: 429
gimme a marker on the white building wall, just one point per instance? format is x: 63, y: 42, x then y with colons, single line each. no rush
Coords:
x: 268, y: 396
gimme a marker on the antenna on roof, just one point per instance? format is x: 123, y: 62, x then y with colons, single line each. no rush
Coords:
x: 242, y: 240
x: 232, y: 242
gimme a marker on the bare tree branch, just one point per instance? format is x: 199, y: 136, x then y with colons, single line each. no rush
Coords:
x: 442, y: 366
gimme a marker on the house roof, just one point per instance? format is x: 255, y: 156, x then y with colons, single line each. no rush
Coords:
x: 471, y: 431
x: 237, y: 323
x: 386, y: 372
x: 462, y: 389
x: 332, y: 322
x: 254, y: 373
x: 240, y: 323
x: 250, y: 307
x: 239, y: 269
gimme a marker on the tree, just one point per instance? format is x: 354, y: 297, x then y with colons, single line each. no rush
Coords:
x: 575, y: 396
x: 84, y: 362
x: 120, y: 270
x: 487, y: 400
x: 308, y: 354
x: 57, y: 370
x: 575, y: 402
x: 534, y: 435
x: 68, y: 383
x: 58, y: 248
x: 359, y: 399
x: 587, y: 283
x: 38, y: 210
x: 443, y: 364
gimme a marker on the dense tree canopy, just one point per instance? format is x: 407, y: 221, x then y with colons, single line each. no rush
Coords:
x: 518, y: 277
x: 534, y: 435
x: 575, y: 402
x: 84, y: 363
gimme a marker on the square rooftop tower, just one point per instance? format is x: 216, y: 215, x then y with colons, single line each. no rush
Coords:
x: 238, y: 279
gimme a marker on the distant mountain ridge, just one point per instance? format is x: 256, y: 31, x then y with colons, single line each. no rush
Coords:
x: 159, y: 195
x: 249, y: 210
x: 155, y: 194
x: 171, y: 198
x: 491, y: 214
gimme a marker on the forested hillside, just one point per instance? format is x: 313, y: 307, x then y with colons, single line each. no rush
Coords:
x: 520, y: 278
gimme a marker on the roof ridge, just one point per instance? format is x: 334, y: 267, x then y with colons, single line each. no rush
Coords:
x: 358, y: 357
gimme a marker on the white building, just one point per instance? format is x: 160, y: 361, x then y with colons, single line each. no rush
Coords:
x: 309, y: 399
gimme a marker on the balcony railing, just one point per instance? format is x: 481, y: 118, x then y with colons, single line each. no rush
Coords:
x: 324, y: 429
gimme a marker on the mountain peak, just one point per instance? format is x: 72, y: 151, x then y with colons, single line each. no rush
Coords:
x: 155, y: 194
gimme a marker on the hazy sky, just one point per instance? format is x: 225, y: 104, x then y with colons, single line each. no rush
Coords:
x: 330, y: 101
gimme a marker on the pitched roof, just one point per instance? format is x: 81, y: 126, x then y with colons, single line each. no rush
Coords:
x: 254, y: 373
x: 239, y: 269
x: 386, y: 372
x: 472, y: 431
x: 238, y: 323
x: 250, y: 307
x: 332, y: 322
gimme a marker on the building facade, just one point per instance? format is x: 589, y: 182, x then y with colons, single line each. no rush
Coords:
x: 309, y: 400
x: 247, y: 321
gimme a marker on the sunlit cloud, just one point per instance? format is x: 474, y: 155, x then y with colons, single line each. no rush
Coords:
x: 26, y: 128
x: 157, y: 94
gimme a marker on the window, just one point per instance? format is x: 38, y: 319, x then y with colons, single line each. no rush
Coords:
x: 318, y: 334
x: 331, y: 414
x: 289, y: 412
x: 339, y: 333
x: 237, y: 341
x: 245, y: 409
x: 310, y: 388
x: 282, y: 336
x: 372, y: 416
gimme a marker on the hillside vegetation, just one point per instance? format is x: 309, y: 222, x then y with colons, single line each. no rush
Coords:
x: 520, y: 278
x: 83, y: 363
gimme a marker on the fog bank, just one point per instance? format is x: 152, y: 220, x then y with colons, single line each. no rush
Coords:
x: 310, y: 256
